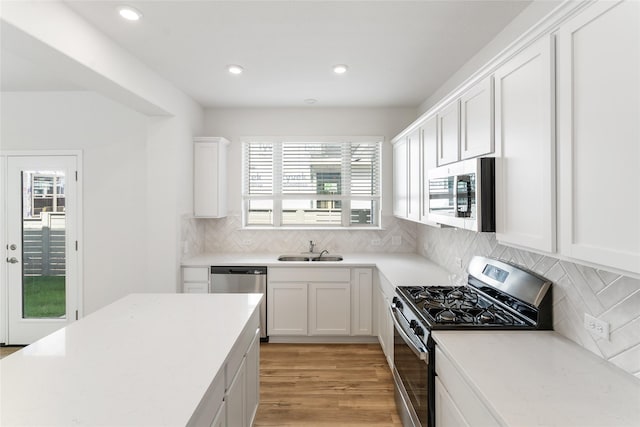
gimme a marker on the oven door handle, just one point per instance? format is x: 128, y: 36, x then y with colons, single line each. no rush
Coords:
x: 420, y: 351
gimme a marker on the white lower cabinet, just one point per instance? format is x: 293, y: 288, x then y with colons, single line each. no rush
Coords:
x: 220, y: 420
x: 195, y: 280
x: 319, y: 301
x: 329, y: 305
x: 253, y: 379
x: 447, y: 413
x: 236, y: 398
x: 286, y: 308
x: 456, y: 403
x: 384, y: 324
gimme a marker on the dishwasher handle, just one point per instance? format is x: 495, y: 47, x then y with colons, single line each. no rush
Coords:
x: 248, y: 270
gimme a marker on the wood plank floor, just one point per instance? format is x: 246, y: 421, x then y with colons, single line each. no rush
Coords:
x: 342, y: 385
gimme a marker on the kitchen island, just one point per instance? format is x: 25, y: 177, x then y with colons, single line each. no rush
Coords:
x: 145, y: 360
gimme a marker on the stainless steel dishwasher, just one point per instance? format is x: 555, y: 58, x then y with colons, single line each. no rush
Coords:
x: 243, y: 280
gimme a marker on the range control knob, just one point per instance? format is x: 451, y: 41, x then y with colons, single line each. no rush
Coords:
x: 419, y: 331
x: 413, y: 324
x: 396, y: 303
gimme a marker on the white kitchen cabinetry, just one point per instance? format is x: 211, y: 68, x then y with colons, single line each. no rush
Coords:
x: 413, y: 161
x: 429, y: 133
x: 220, y: 419
x: 195, y: 280
x: 598, y: 65
x: 329, y: 305
x: 210, y: 177
x: 400, y: 179
x: 525, y: 143
x: 448, y: 150
x: 253, y: 379
x: 286, y: 307
x: 476, y: 120
x: 384, y: 294
x: 326, y: 301
x: 456, y: 403
x: 236, y: 398
x: 361, y: 301
x: 448, y: 414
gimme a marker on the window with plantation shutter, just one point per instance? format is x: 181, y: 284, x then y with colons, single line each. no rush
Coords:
x: 312, y: 182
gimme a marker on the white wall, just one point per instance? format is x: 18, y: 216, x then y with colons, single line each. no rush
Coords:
x: 113, y: 141
x: 235, y: 123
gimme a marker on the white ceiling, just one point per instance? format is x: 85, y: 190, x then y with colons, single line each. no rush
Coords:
x: 398, y: 52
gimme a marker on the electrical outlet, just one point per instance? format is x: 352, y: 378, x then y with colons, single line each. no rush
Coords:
x: 596, y: 326
x: 396, y: 240
x: 246, y: 242
x: 458, y: 262
x: 375, y: 242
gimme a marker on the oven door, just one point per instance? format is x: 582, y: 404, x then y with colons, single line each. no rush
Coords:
x: 411, y: 360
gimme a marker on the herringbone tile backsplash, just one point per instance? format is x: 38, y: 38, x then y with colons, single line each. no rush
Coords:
x: 576, y: 290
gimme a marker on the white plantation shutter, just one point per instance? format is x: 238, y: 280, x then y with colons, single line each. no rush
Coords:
x: 312, y: 182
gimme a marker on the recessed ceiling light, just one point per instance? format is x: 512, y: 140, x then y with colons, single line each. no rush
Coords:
x: 129, y: 13
x: 235, y: 69
x: 310, y: 101
x: 340, y: 69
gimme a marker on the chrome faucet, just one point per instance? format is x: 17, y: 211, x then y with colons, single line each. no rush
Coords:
x: 324, y: 251
x: 312, y: 246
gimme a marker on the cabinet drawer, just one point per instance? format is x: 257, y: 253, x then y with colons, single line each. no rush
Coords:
x: 195, y: 288
x: 310, y: 274
x: 195, y: 274
x: 469, y: 404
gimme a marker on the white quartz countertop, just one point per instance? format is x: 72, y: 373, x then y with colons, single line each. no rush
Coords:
x: 145, y: 360
x: 539, y: 378
x: 400, y: 269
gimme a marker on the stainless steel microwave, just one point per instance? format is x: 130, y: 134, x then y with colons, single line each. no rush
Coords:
x: 462, y: 194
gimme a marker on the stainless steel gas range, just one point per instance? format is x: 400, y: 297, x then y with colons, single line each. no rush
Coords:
x: 497, y: 295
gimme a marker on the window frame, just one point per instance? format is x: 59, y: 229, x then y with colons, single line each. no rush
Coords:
x: 277, y: 196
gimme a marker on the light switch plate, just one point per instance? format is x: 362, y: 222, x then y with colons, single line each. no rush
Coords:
x: 597, y: 327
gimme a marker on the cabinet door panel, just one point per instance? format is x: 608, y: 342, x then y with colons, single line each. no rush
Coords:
x: 287, y: 308
x: 413, y: 163
x: 598, y: 131
x: 329, y: 308
x: 400, y: 180
x: 449, y: 134
x: 525, y: 171
x: 429, y: 154
x: 448, y: 414
x: 253, y: 379
x: 476, y: 117
x: 361, y: 302
x: 236, y: 399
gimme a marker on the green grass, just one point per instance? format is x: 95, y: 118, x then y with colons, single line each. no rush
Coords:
x: 43, y: 297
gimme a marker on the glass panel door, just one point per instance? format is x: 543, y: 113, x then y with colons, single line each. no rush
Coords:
x: 41, y: 254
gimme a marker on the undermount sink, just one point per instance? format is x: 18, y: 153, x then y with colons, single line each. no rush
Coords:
x: 333, y: 258
x: 292, y: 258
x: 328, y: 258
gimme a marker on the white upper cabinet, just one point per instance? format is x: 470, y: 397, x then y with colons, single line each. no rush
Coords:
x: 210, y: 177
x: 598, y: 63
x: 413, y: 141
x: 400, y: 179
x: 525, y: 143
x: 428, y: 153
x: 448, y: 149
x: 476, y: 120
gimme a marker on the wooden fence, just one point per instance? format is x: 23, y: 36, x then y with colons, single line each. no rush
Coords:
x: 44, y: 245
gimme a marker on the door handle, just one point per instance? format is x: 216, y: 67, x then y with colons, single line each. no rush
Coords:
x: 12, y: 260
